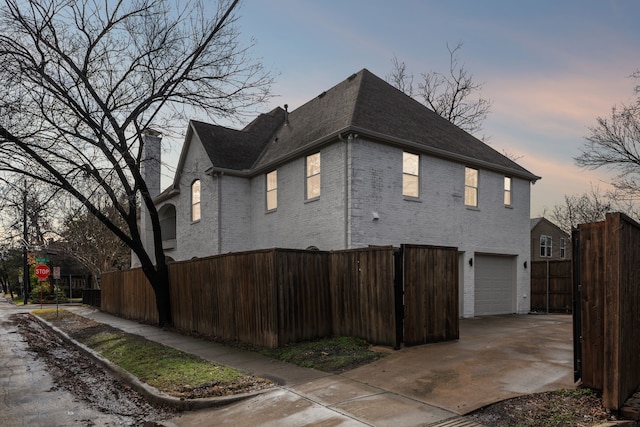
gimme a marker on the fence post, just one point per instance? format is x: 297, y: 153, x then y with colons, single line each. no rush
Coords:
x: 398, y: 290
x: 547, y: 286
x: 577, y: 305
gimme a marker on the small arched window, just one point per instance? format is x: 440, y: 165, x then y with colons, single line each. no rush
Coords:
x: 195, y: 200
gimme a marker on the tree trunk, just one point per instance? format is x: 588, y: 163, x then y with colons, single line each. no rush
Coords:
x: 163, y: 296
x: 159, y: 279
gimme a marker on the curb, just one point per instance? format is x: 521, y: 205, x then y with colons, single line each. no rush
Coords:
x: 151, y: 393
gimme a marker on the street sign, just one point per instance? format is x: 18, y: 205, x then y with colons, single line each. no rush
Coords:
x: 56, y: 273
x: 42, y: 260
x: 42, y: 271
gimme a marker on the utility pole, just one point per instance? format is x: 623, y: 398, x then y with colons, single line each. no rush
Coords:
x: 25, y: 237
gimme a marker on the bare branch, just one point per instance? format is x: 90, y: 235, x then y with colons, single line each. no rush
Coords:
x: 614, y: 144
x: 453, y: 95
x: 83, y: 79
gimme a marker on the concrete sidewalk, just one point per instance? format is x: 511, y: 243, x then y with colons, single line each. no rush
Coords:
x: 497, y: 357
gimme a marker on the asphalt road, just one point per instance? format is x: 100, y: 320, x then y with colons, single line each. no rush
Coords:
x: 29, y: 394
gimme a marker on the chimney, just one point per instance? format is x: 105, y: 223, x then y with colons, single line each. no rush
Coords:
x: 150, y: 165
x: 286, y: 114
x: 150, y: 171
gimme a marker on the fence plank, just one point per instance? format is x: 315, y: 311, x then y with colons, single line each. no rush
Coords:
x: 592, y: 280
x: 622, y: 300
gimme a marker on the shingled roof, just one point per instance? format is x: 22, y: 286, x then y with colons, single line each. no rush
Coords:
x: 363, y: 104
x: 238, y: 149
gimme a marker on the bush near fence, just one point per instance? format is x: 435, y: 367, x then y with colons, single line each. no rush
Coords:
x: 277, y: 296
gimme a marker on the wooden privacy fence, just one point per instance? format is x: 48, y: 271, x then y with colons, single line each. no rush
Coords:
x: 551, y: 286
x: 273, y: 297
x: 606, y: 321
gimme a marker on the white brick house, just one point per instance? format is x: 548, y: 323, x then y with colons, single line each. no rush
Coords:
x: 361, y: 164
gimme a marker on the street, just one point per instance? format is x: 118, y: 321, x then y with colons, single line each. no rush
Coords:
x: 58, y: 386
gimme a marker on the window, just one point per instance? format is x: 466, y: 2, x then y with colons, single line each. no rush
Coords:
x: 272, y: 190
x: 545, y: 246
x: 563, y: 247
x: 470, y: 187
x: 195, y: 200
x: 313, y: 176
x: 507, y: 191
x: 410, y: 175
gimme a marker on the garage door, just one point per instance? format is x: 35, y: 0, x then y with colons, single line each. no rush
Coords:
x: 495, y: 284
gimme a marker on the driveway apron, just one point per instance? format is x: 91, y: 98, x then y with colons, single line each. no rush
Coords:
x: 496, y: 358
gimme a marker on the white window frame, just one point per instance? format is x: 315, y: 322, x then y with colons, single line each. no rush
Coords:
x: 271, y: 192
x: 196, y: 197
x: 471, y: 187
x: 410, y: 175
x: 311, y: 176
x: 546, y: 246
x: 508, y: 185
x: 563, y: 248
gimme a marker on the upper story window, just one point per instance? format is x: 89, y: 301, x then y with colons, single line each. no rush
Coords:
x: 272, y: 190
x: 507, y: 191
x: 470, y: 187
x: 195, y: 200
x: 563, y: 247
x: 546, y: 244
x: 410, y: 175
x: 313, y: 176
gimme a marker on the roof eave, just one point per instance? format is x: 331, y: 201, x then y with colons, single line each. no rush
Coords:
x: 471, y: 161
x: 383, y: 138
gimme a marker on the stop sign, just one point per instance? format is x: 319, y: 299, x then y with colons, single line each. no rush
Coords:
x: 42, y: 271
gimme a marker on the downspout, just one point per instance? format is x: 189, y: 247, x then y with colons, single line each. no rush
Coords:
x: 346, y: 191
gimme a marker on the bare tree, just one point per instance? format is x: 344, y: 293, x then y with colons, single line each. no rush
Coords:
x: 81, y: 81
x: 400, y: 78
x: 42, y: 211
x: 614, y: 143
x: 582, y: 209
x: 90, y: 242
x: 454, y: 95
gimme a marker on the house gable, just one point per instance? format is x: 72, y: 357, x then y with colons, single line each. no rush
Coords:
x: 543, y: 227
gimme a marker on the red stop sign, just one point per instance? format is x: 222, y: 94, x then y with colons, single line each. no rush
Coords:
x: 42, y: 271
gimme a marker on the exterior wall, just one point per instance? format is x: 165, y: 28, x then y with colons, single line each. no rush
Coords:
x: 200, y: 238
x: 547, y: 228
x: 235, y: 214
x: 439, y: 216
x: 298, y: 223
x: 361, y: 185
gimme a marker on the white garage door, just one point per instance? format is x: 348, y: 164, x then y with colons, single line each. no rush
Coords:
x: 495, y: 284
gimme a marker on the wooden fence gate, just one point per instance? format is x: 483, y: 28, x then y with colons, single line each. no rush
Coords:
x: 606, y: 323
x: 551, y: 286
x: 430, y: 281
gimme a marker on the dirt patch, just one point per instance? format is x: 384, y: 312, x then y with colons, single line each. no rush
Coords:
x: 77, y: 373
x: 581, y: 408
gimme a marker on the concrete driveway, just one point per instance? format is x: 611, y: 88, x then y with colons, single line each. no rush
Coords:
x: 496, y: 357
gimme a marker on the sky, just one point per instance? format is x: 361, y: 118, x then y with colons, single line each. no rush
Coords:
x: 549, y: 67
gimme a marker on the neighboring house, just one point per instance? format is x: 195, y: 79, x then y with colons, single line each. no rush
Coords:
x: 548, y: 241
x: 361, y: 164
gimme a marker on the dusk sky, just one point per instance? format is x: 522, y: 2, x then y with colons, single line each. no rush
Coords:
x: 549, y: 67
